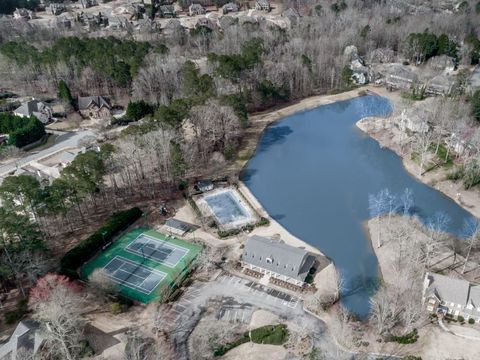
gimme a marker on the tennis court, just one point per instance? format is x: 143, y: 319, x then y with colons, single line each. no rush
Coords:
x: 158, y: 250
x: 133, y: 275
x: 144, y: 263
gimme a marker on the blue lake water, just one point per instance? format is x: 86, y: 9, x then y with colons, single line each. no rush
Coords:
x: 313, y: 172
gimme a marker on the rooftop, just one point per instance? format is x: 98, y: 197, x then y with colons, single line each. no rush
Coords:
x: 278, y: 257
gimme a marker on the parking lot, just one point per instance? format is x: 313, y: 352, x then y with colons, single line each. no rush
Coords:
x: 261, y: 291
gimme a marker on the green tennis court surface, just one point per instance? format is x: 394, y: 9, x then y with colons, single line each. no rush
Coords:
x: 144, y: 262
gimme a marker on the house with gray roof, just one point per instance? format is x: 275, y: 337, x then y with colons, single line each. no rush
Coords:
x: 167, y: 11
x: 443, y: 295
x: 25, y: 341
x: 277, y: 260
x: 263, y: 5
x: 230, y: 7
x: 55, y: 8
x: 35, y: 108
x: 94, y: 107
x: 196, y: 9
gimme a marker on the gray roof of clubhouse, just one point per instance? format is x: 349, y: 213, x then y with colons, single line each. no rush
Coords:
x: 282, y: 258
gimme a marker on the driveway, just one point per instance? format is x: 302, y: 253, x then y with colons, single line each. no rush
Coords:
x: 67, y: 140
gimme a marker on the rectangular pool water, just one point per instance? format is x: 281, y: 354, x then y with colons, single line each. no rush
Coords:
x: 227, y: 207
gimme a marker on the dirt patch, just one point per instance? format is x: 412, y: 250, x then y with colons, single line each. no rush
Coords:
x: 262, y: 318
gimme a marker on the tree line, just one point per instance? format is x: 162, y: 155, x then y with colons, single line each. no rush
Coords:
x: 21, y: 131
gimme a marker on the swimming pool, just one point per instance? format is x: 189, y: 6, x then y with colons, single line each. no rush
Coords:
x: 228, y: 208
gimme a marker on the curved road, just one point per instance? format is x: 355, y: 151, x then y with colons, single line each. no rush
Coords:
x: 66, y: 140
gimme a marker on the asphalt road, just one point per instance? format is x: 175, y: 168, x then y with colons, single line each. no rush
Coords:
x: 66, y: 140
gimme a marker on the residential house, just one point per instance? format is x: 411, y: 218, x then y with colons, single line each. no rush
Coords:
x: 167, y: 11
x: 474, y: 81
x: 205, y: 23
x: 400, y: 77
x: 25, y: 341
x: 230, y: 7
x: 263, y: 5
x: 55, y: 9
x: 49, y: 168
x: 61, y: 22
x: 446, y: 296
x: 36, y: 108
x: 291, y: 14
x: 145, y: 25
x: 204, y: 185
x: 87, y: 3
x: 196, y: 9
x: 118, y: 22
x: 95, y: 107
x: 92, y: 21
x: 277, y: 260
x: 440, y: 85
x: 23, y: 14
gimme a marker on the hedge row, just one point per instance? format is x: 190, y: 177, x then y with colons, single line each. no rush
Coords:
x: 81, y: 253
x: 269, y: 334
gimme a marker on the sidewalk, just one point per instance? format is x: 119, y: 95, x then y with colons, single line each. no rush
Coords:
x: 446, y: 329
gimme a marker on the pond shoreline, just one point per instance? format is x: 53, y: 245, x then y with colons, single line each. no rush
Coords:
x: 380, y: 130
x: 259, y: 124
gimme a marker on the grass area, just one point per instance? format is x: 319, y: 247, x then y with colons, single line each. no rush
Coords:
x: 447, y: 161
x: 408, y: 338
x: 270, y: 334
x: 174, y: 275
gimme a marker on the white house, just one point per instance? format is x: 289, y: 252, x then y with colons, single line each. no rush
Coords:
x: 443, y: 295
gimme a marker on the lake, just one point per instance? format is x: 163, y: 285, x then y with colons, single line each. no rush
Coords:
x: 313, y: 173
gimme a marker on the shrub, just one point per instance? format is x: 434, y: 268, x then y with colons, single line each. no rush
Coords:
x: 263, y: 222
x: 21, y: 131
x: 471, y: 321
x: 476, y: 105
x: 11, y: 317
x: 116, y: 308
x: 270, y: 334
x: 81, y: 253
x: 409, y: 338
x: 136, y: 110
x: 460, y: 318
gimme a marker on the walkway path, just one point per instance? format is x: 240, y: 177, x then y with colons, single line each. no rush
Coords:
x: 445, y: 328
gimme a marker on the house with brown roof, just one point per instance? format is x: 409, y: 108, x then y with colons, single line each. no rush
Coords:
x: 95, y: 107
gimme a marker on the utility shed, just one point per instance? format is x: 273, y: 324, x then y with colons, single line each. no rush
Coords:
x: 177, y: 227
x: 277, y: 259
